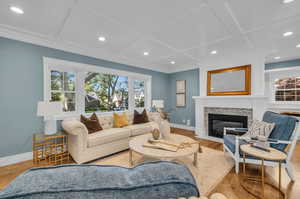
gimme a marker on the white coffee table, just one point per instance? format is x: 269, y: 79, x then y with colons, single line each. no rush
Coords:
x: 136, y: 145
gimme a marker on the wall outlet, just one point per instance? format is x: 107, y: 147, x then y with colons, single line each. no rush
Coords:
x: 188, y: 122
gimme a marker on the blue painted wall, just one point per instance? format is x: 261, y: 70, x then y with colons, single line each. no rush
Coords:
x: 21, y: 87
x: 284, y: 64
x: 178, y: 114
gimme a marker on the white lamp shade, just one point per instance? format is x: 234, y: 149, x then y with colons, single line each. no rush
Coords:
x: 49, y: 108
x: 158, y: 103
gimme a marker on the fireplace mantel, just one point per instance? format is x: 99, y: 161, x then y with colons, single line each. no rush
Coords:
x: 231, y: 97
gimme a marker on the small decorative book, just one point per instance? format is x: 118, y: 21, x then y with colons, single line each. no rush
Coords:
x: 168, y: 145
x: 162, y: 144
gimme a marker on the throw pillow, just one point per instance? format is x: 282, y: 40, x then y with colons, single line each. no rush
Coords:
x: 120, y: 120
x: 92, y: 124
x: 140, y: 118
x: 260, y: 128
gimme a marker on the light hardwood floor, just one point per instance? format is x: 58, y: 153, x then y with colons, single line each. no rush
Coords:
x: 230, y: 185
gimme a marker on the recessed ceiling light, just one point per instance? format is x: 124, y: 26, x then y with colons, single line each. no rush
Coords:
x: 213, y: 52
x: 277, y: 57
x: 298, y: 46
x: 101, y: 38
x: 287, y: 1
x: 16, y: 10
x: 173, y: 62
x: 286, y: 34
x: 146, y: 53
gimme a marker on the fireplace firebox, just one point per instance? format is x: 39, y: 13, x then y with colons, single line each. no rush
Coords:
x: 217, y: 122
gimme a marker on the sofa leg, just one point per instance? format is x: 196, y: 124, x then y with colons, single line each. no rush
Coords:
x: 290, y: 172
x: 237, y: 167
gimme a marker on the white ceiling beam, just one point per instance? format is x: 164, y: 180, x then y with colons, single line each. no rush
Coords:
x: 227, y: 17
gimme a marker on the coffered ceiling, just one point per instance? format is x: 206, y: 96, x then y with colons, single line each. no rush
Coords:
x: 176, y: 34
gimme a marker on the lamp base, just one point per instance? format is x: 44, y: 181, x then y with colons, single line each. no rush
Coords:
x: 50, y: 127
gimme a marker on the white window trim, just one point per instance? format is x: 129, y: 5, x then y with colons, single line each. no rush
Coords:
x: 277, y: 74
x: 81, y: 69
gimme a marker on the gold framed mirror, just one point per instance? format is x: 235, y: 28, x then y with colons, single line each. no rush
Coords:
x: 229, y: 81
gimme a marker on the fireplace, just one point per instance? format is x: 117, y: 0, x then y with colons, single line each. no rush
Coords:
x: 217, y: 122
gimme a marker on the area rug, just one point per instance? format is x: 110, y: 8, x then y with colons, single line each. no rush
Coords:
x: 213, y: 166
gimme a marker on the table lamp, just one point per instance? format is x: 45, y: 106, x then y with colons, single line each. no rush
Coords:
x: 48, y: 110
x: 158, y: 104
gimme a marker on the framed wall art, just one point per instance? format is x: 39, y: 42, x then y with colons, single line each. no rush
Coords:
x: 180, y: 93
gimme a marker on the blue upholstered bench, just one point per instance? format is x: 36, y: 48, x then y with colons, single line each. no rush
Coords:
x: 153, y: 180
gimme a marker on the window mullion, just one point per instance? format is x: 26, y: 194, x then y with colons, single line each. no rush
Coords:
x: 148, y: 97
x: 130, y: 94
x: 80, y: 92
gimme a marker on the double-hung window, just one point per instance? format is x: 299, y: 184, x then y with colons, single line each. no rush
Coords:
x: 86, y: 88
x: 284, y: 87
x: 63, y: 86
x: 287, y: 89
x: 139, y: 93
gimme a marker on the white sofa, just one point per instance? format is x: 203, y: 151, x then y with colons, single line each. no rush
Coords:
x: 85, y: 147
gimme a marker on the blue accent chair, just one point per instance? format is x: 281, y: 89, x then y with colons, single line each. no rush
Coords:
x: 284, y: 133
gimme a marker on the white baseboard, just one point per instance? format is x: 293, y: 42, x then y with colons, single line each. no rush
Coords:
x: 7, y: 160
x: 182, y: 126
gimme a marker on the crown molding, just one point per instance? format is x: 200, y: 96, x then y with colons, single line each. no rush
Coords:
x: 41, y: 40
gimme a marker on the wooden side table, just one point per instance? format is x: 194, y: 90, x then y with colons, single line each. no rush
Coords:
x: 50, y: 149
x: 273, y: 155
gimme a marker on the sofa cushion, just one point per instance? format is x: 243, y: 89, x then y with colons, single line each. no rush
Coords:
x: 107, y: 136
x: 140, y: 118
x: 260, y: 128
x: 106, y: 122
x: 139, y: 129
x: 120, y: 120
x: 92, y: 123
x: 284, y: 127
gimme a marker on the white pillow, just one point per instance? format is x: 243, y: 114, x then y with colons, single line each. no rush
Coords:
x: 260, y: 128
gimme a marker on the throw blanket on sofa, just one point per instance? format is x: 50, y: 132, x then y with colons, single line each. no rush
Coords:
x: 152, y: 180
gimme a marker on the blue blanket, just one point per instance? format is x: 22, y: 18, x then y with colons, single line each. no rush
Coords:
x: 153, y: 180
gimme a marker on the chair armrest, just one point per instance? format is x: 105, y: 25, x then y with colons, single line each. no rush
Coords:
x: 77, y: 137
x: 273, y: 141
x: 238, y: 130
x: 74, y: 127
x: 269, y: 140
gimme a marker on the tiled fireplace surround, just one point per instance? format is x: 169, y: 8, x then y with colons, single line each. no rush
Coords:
x: 227, y: 111
x: 251, y: 106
